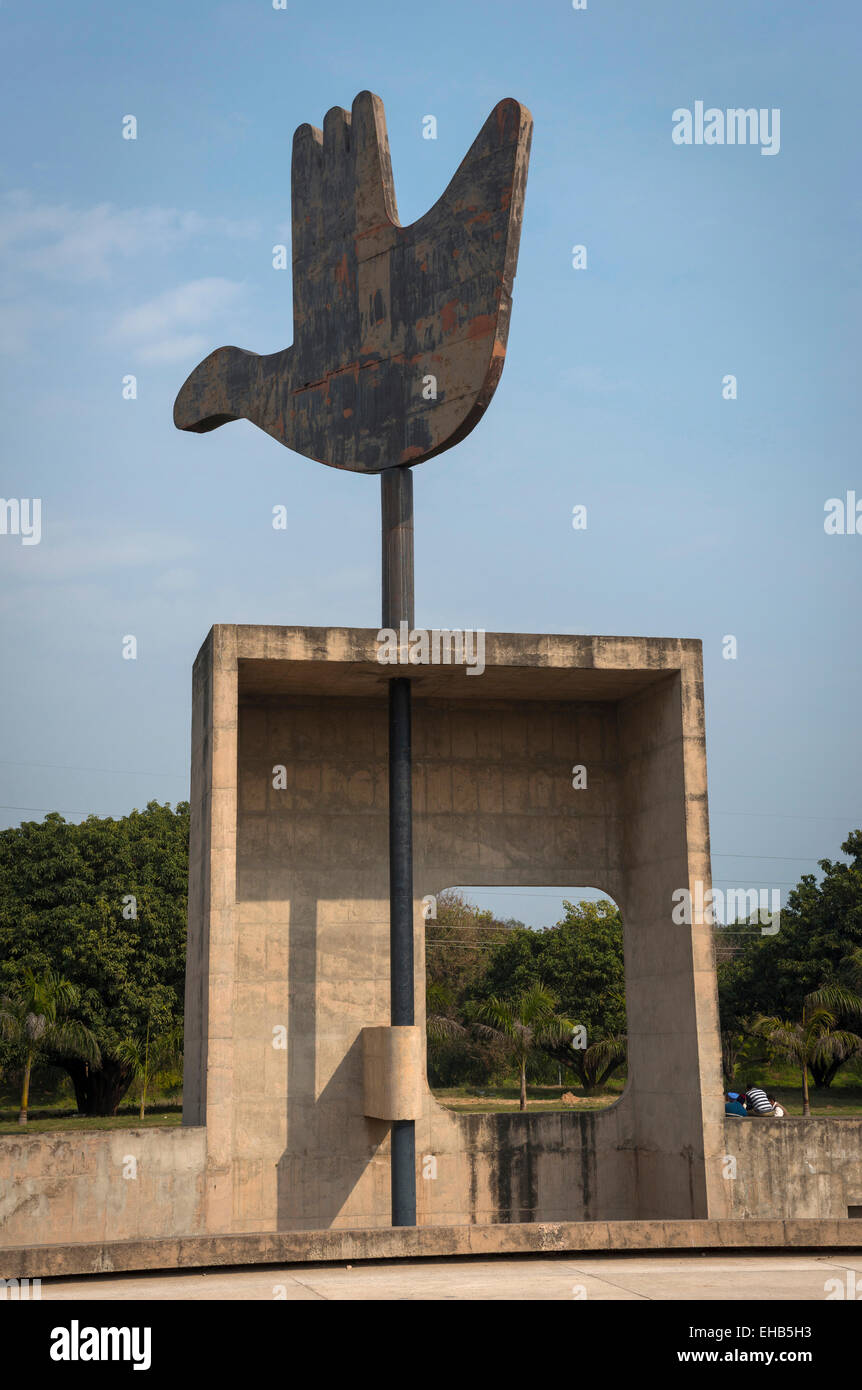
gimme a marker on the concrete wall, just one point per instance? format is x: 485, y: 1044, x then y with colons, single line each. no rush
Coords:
x: 63, y: 1189
x: 288, y: 954
x: 297, y: 929
x: 119, y: 1184
x: 792, y: 1167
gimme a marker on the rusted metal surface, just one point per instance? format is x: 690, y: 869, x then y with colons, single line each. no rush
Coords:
x: 384, y: 315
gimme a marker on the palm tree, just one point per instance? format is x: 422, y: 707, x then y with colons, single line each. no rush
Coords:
x: 439, y: 1001
x: 34, y: 1020
x: 148, y: 1055
x: 816, y: 1038
x: 601, y: 1059
x: 524, y: 1023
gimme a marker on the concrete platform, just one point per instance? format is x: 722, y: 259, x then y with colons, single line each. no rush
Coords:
x: 656, y: 1277
x: 318, y: 1247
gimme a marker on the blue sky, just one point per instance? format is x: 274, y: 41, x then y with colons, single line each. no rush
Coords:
x: 705, y: 516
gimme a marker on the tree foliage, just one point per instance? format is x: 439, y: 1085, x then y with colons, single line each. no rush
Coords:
x: 37, y: 1021
x: 820, y: 929
x: 522, y: 1025
x: 474, y: 957
x: 815, y: 1038
x: 580, y: 960
x: 102, y: 904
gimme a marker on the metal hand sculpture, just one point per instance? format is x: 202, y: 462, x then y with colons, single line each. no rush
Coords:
x: 378, y: 308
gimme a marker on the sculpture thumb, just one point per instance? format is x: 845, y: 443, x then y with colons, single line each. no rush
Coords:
x: 493, y: 175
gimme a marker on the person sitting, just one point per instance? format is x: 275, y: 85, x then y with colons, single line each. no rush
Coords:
x: 778, y: 1110
x: 733, y: 1104
x: 757, y: 1101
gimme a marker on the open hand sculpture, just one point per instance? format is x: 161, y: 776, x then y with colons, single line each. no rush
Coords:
x: 399, y: 332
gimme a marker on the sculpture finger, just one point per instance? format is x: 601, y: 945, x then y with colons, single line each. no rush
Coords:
x: 339, y: 183
x: 375, y: 186
x: 306, y: 196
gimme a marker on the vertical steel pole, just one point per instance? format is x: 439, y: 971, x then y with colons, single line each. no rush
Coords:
x: 396, y: 498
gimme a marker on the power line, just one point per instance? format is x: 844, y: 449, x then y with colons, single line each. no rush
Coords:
x: 789, y: 858
x: 72, y: 767
x: 762, y: 883
x: 781, y: 815
x: 459, y: 946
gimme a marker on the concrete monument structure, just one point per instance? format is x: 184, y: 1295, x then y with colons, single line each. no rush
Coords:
x: 289, y: 922
x: 399, y: 341
x: 329, y: 798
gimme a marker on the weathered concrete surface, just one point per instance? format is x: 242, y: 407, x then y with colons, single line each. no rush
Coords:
x: 381, y: 311
x: 295, y: 932
x: 393, y: 1070
x: 299, y: 1247
x: 812, y: 1168
x: 114, y: 1184
x: 288, y: 963
x: 727, y: 1276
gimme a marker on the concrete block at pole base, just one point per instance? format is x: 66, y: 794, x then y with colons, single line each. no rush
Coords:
x: 393, y: 1069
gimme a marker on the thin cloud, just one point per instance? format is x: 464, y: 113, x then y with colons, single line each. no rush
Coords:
x: 70, y: 551
x: 159, y: 328
x: 61, y: 242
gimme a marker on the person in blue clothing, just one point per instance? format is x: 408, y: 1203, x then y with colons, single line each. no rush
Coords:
x: 733, y: 1104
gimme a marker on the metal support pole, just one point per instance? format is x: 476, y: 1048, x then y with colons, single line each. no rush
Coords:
x: 396, y: 497
x: 396, y: 505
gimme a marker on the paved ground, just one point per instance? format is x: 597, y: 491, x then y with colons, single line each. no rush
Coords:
x: 727, y: 1277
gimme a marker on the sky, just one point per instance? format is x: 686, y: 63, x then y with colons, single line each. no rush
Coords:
x: 705, y: 514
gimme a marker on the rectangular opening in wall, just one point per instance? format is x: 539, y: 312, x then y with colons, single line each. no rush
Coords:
x: 855, y: 1212
x: 525, y: 999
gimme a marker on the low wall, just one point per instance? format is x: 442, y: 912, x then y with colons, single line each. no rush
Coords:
x: 129, y: 1185
x: 793, y: 1167
x: 557, y: 1166
x: 113, y: 1184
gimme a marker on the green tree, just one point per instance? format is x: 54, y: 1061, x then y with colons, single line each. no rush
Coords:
x: 819, y: 929
x: 580, y: 960
x: 816, y: 1038
x: 598, y: 1062
x: 523, y: 1024
x: 150, y: 1054
x: 459, y: 942
x: 35, y: 1022
x: 103, y: 904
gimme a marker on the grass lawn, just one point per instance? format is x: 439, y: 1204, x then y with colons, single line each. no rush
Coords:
x: 490, y: 1100
x: 842, y: 1100
x: 41, y: 1120
x: 52, y: 1107
x: 838, y: 1103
